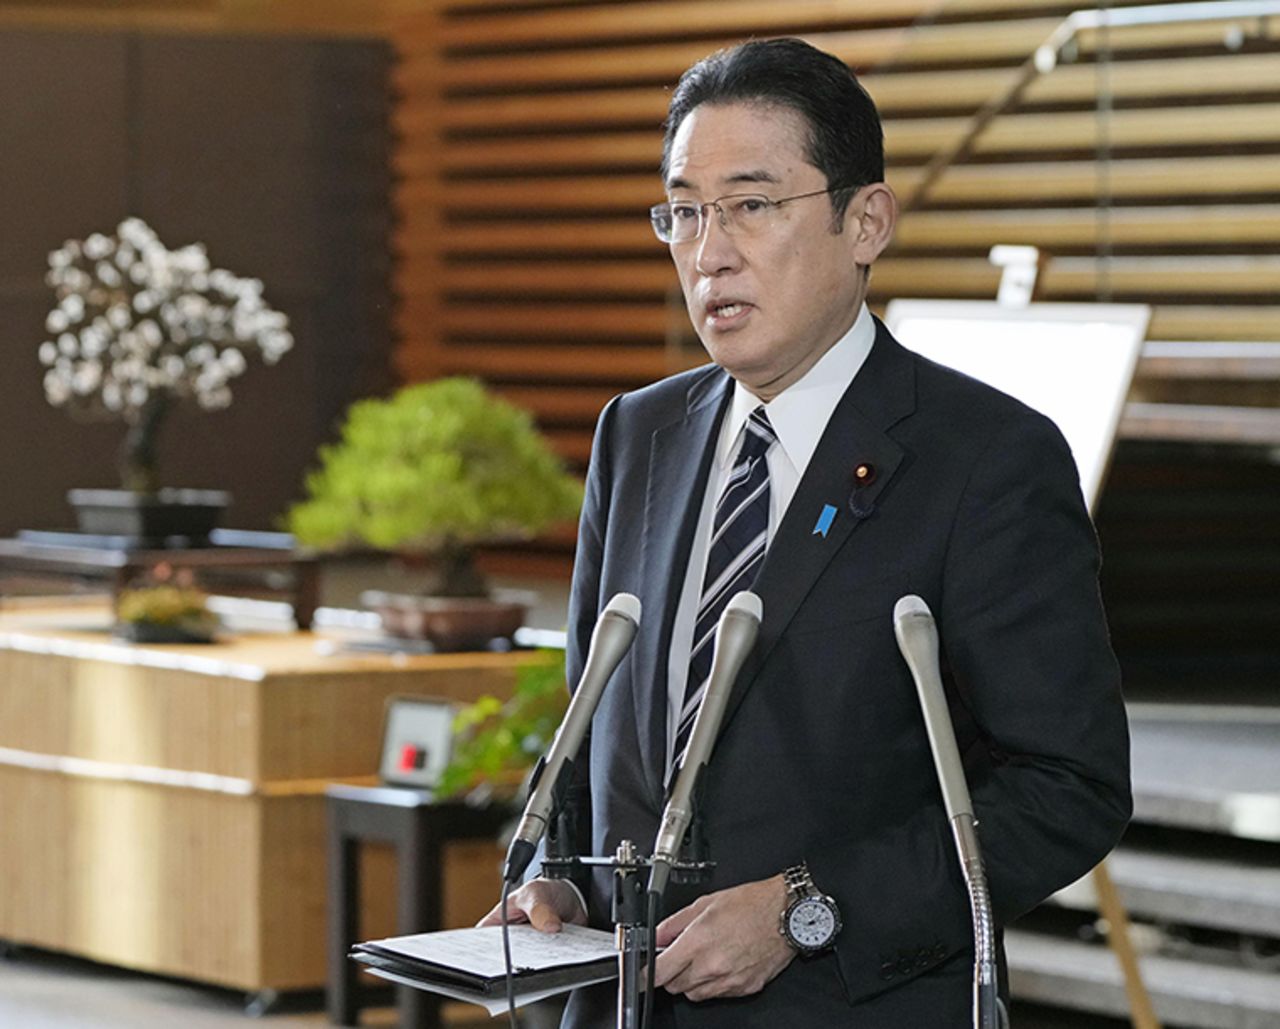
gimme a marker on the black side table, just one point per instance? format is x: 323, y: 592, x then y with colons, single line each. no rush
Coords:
x: 418, y: 827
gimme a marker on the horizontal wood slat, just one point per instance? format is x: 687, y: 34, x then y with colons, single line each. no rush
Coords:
x: 664, y: 63
x: 675, y: 19
x: 1174, y: 225
x: 894, y: 93
x: 1216, y: 360
x: 652, y: 278
x: 536, y: 238
x: 1076, y: 180
x: 978, y: 183
x: 1199, y: 423
x: 619, y: 321
x: 1215, y: 322
x: 557, y: 362
x: 863, y: 49
x: 906, y: 140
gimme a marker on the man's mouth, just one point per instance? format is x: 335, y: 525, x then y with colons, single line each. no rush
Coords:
x: 727, y: 311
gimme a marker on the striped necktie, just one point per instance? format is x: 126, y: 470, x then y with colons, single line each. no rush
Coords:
x: 739, y: 536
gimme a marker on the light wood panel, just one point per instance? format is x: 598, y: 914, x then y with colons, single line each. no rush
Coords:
x: 164, y: 809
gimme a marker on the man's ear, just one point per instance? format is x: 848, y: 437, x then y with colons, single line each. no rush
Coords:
x: 871, y: 217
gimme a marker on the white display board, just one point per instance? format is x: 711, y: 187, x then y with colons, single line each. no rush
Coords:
x: 1072, y: 362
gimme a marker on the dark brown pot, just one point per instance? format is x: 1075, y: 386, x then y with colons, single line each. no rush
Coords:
x: 448, y: 623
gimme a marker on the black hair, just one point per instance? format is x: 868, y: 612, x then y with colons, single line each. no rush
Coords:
x: 845, y: 140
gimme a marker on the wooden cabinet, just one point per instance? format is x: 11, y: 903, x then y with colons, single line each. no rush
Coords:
x: 162, y: 808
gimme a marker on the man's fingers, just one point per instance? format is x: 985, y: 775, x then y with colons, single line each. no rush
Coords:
x: 543, y: 917
x: 544, y: 904
x: 494, y: 917
x: 670, y: 965
x: 671, y: 927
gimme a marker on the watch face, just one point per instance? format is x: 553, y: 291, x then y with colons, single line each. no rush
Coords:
x: 811, y: 924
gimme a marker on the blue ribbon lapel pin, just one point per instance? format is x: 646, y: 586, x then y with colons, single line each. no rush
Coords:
x: 825, y: 518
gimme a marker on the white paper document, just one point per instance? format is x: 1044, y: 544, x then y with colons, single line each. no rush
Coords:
x: 479, y: 951
x: 468, y: 964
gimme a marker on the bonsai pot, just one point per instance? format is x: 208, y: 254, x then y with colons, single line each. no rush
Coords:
x: 448, y: 623
x: 149, y: 517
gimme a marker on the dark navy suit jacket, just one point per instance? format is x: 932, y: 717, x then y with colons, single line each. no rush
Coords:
x: 973, y: 504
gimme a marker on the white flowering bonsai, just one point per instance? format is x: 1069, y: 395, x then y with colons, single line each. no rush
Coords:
x: 138, y: 328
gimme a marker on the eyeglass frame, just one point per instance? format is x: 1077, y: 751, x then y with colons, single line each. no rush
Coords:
x: 702, y: 209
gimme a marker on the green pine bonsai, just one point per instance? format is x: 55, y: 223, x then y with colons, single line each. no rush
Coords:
x: 435, y: 469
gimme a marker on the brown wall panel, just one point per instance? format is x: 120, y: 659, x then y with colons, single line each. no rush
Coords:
x: 270, y: 150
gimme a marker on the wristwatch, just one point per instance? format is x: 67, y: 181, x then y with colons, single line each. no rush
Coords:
x: 811, y: 919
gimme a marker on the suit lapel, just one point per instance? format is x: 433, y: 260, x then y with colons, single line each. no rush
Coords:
x: 680, y: 457
x: 882, y: 393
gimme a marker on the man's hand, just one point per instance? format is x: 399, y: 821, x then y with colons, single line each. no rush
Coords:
x: 725, y: 944
x: 546, y: 904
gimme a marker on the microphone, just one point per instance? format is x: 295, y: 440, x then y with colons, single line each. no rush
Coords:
x: 735, y: 636
x: 917, y: 635
x: 610, y: 640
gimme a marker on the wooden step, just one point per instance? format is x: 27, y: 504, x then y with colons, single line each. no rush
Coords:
x: 1186, y: 993
x: 1210, y: 769
x: 1188, y: 890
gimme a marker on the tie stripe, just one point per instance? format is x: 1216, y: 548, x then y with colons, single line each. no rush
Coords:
x: 739, y: 537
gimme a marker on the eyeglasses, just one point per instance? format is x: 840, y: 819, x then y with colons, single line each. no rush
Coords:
x: 741, y: 214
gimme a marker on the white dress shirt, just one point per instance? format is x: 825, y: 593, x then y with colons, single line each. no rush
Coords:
x: 799, y: 416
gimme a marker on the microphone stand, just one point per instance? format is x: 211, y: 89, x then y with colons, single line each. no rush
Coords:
x: 630, y: 916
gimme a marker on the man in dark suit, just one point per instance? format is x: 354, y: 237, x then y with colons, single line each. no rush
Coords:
x: 873, y: 473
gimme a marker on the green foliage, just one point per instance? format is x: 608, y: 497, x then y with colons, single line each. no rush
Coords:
x: 496, y: 743
x: 436, y: 465
x: 177, y: 606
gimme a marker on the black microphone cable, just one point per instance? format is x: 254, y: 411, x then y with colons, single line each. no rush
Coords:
x: 506, y: 957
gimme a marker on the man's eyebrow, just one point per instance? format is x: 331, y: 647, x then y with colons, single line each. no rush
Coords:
x: 756, y: 175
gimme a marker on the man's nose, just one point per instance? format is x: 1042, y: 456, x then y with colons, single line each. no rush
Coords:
x: 717, y: 251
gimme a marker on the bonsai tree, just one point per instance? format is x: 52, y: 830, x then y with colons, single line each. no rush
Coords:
x: 138, y: 328
x: 165, y: 606
x: 435, y: 468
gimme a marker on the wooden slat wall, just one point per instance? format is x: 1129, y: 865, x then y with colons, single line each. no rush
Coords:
x: 529, y: 140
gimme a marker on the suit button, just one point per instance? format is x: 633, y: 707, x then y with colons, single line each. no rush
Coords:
x: 924, y: 958
x: 906, y: 966
x: 939, y: 951
x: 888, y: 970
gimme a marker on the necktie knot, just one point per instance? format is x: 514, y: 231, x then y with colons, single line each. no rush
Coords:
x: 758, y: 435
